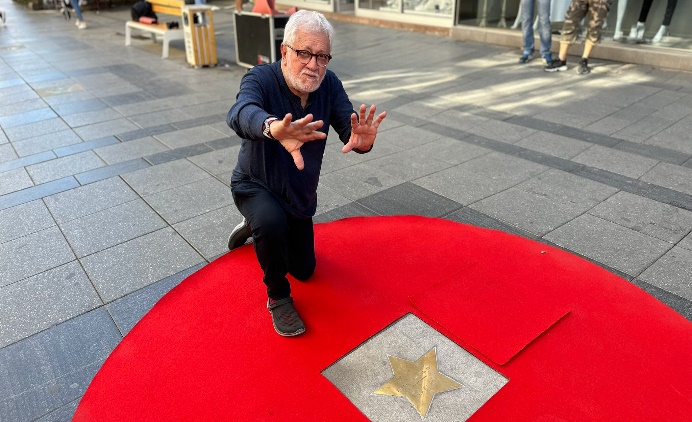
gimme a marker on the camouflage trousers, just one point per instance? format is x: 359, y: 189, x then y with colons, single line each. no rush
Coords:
x: 598, y: 12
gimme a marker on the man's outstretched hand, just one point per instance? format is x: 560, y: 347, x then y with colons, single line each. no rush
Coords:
x: 364, y: 129
x: 293, y: 134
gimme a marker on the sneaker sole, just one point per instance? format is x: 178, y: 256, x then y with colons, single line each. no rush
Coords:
x: 241, y: 232
x: 297, y: 333
x: 557, y: 69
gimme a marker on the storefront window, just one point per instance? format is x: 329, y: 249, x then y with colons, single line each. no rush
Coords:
x: 663, y: 23
x: 420, y: 7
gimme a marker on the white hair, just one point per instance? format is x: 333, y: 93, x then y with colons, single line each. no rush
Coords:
x: 310, y: 21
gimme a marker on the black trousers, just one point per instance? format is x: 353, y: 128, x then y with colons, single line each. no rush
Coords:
x: 670, y: 9
x: 283, y: 244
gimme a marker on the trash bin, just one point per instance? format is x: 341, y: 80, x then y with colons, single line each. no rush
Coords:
x: 258, y: 37
x: 200, y: 43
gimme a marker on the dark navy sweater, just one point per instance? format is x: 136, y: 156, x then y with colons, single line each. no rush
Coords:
x: 263, y: 93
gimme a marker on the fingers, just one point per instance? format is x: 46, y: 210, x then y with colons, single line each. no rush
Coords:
x: 298, y: 159
x: 348, y: 147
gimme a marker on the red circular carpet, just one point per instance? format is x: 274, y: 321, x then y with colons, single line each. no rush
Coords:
x: 575, y: 342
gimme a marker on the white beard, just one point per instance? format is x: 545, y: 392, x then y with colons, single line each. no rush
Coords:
x: 295, y: 82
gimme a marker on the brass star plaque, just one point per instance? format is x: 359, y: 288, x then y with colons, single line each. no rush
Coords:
x: 418, y: 381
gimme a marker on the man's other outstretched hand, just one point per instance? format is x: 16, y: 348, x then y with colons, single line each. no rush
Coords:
x: 293, y: 134
x: 364, y: 130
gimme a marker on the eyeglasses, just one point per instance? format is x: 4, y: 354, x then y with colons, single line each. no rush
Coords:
x: 305, y: 56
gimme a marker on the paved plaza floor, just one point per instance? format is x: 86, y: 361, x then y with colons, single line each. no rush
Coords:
x: 114, y: 170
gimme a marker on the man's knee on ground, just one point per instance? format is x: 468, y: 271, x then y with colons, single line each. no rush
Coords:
x: 303, y: 272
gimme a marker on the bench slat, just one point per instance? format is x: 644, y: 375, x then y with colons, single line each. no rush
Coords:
x: 167, y: 10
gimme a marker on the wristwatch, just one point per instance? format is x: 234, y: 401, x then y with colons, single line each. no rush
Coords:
x: 265, y: 127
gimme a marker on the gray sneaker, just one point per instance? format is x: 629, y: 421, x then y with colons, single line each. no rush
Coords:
x: 240, y: 235
x: 285, y: 317
x: 583, y: 67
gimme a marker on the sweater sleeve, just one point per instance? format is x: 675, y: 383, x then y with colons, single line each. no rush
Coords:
x: 248, y: 113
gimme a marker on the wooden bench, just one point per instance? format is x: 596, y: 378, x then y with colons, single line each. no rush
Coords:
x: 165, y: 7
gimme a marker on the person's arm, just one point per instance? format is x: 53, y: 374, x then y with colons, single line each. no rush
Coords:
x: 247, y: 116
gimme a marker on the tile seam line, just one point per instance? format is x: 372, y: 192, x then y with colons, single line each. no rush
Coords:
x: 578, y: 169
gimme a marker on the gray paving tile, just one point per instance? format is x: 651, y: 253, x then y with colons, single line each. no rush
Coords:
x: 21, y: 107
x: 89, y: 199
x: 32, y: 130
x: 652, y: 151
x: 472, y: 217
x: 457, y: 119
x: 208, y: 233
x: 46, y: 142
x: 163, y: 177
x: 118, y: 100
x: 125, y: 151
x: 359, y: 181
x: 675, y: 302
x: 48, y: 250
x: 37, y: 192
x: 670, y: 176
x: 53, y: 368
x: 76, y: 107
x: 64, y: 166
x: 620, y: 162
x: 649, y: 217
x: 99, y: 130
x: 217, y: 162
x: 452, y: 151
x: 64, y: 413
x: 144, y: 132
x: 14, y: 180
x: 26, y: 117
x: 675, y: 137
x: 482, y: 177
x: 24, y: 219
x: 149, y: 258
x: 188, y: 201
x: 231, y: 141
x: 643, y: 129
x: 409, y: 199
x: 112, y: 226
x: 158, y: 118
x: 614, y: 245
x: 41, y: 301
x: 7, y: 153
x: 545, y: 202
x: 686, y: 242
x: 352, y: 209
x: 554, y: 145
x: 177, y: 154
x: 85, y: 146
x: 417, y: 164
x: 91, y: 117
x: 128, y: 310
x: 501, y: 131
x: 113, y: 170
x: 26, y: 161
x: 672, y: 273
x: 191, y: 136
x: 328, y: 199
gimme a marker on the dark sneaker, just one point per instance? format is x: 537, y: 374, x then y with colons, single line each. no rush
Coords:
x: 240, y: 235
x: 525, y: 58
x: 583, y: 67
x: 556, y: 65
x: 548, y: 58
x: 285, y: 317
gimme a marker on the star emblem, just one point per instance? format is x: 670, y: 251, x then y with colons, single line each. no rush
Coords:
x: 418, y: 381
